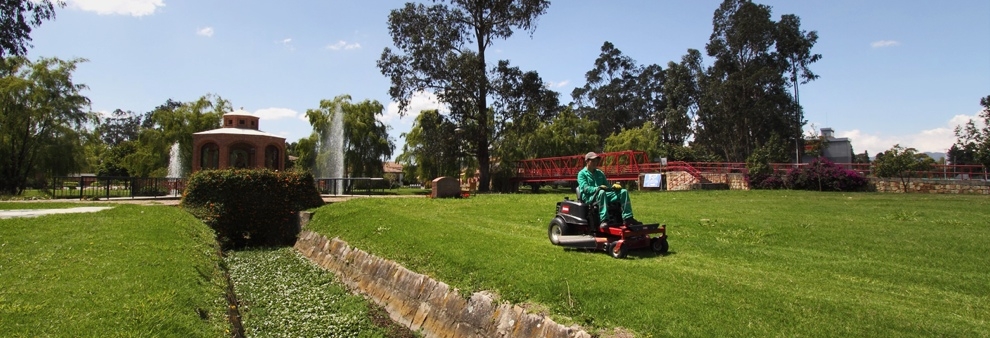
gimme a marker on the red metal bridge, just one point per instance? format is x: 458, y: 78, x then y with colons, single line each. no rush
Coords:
x: 618, y: 166
x: 627, y: 165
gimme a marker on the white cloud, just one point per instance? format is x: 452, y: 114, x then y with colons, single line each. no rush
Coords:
x: 885, y: 43
x: 936, y: 140
x: 420, y: 101
x: 959, y: 120
x: 344, y: 45
x: 287, y: 43
x: 276, y: 113
x: 205, y: 31
x: 120, y: 7
x: 551, y: 84
x: 402, y: 124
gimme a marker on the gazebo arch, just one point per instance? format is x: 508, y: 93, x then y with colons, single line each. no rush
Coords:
x: 273, y: 157
x: 241, y: 156
x: 209, y: 156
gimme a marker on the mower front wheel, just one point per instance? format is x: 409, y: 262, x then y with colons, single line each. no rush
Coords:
x: 616, y: 250
x: 659, y: 245
x: 556, y: 229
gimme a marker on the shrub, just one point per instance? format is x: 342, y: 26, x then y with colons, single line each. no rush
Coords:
x: 769, y: 182
x: 823, y: 175
x: 901, y: 162
x: 251, y: 207
x: 761, y: 175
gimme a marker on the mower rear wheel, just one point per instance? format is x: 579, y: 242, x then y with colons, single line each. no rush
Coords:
x: 556, y: 229
x: 616, y: 250
x: 659, y: 245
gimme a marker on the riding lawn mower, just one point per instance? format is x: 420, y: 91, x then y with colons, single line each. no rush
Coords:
x: 573, y: 228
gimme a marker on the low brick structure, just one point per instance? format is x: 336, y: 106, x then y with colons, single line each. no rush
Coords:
x: 444, y: 187
x: 422, y: 303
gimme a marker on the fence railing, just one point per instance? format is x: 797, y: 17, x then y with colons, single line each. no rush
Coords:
x: 938, y: 171
x: 115, y: 187
x: 352, y: 185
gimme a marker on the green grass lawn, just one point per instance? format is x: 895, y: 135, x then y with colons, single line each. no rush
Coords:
x: 742, y: 263
x: 131, y: 271
x: 27, y: 195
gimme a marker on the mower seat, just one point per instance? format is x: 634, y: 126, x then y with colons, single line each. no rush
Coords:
x: 615, y: 211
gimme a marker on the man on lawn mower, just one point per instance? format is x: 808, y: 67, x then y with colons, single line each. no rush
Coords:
x: 593, y: 188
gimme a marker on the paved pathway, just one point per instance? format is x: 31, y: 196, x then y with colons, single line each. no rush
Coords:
x: 148, y: 201
x: 41, y: 212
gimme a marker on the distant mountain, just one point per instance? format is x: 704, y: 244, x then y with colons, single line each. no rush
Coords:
x: 935, y: 156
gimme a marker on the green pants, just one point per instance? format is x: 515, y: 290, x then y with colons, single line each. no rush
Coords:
x: 606, y: 197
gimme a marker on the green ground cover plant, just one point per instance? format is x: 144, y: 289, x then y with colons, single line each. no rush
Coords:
x: 282, y: 294
x: 131, y: 271
x: 742, y: 263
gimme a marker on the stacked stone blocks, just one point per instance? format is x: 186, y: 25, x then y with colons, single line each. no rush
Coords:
x: 422, y: 303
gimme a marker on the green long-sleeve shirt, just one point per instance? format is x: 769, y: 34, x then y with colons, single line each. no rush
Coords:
x: 588, y: 182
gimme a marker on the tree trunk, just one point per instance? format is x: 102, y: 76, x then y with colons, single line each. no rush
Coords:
x: 484, y: 158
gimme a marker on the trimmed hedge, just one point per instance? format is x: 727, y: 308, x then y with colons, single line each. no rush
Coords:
x: 251, y: 208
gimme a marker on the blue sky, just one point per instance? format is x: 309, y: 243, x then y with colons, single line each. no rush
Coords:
x: 892, y: 72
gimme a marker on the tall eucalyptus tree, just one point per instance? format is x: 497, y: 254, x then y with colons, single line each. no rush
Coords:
x: 443, y: 48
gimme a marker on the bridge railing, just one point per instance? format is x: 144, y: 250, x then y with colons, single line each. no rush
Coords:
x: 627, y: 165
x: 616, y: 165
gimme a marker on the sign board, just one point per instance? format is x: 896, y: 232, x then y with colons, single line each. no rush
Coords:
x: 652, y: 180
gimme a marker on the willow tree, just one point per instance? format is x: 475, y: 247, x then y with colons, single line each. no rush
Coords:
x: 443, y: 49
x: 170, y: 123
x: 366, y: 144
x: 41, y: 110
x: 432, y: 147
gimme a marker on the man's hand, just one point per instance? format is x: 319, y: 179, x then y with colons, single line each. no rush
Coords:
x: 602, y: 187
x: 617, y: 186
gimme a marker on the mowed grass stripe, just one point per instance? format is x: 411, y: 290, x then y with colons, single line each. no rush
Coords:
x: 127, y: 271
x: 742, y: 263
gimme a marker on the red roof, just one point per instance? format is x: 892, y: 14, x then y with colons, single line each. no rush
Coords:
x: 392, y: 167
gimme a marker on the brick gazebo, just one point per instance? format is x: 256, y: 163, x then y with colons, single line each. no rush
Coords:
x: 238, y: 144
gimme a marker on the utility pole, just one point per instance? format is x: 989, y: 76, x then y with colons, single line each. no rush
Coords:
x: 797, y: 117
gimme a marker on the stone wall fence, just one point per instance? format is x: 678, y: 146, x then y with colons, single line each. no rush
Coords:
x: 681, y: 180
x: 930, y: 186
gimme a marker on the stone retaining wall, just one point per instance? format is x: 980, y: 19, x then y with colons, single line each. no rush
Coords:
x: 679, y: 180
x: 422, y: 303
x: 932, y: 186
x: 735, y: 181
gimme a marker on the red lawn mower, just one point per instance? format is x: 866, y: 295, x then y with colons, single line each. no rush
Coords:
x: 573, y: 228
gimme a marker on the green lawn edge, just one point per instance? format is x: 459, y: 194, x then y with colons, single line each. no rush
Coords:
x: 128, y: 271
x: 742, y: 263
